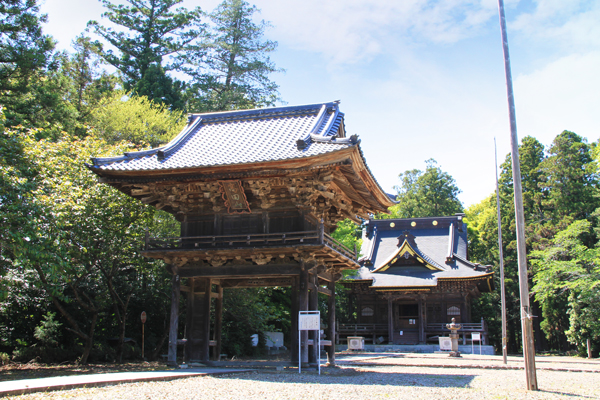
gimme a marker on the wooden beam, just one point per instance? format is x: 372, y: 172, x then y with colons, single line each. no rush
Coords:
x: 258, y: 282
x: 326, y: 276
x: 250, y: 271
x: 186, y: 289
x: 324, y: 291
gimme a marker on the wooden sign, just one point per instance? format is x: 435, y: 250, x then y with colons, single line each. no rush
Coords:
x: 234, y: 196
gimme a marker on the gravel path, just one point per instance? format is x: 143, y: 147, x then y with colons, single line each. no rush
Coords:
x: 375, y: 381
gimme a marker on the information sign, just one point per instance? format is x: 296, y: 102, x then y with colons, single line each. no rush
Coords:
x: 475, y: 336
x: 309, y: 321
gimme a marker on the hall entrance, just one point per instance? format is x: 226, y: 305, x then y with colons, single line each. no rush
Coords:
x: 406, y: 323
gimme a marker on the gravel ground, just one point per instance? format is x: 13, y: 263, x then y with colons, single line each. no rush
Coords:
x: 469, y: 360
x: 374, y: 381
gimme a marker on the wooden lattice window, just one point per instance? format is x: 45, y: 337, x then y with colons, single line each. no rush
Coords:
x: 367, y: 312
x: 453, y: 310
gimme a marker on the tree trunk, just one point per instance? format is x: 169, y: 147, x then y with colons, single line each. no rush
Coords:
x: 75, y: 328
x: 89, y: 342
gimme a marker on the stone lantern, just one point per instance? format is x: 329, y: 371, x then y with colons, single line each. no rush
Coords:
x: 454, y: 327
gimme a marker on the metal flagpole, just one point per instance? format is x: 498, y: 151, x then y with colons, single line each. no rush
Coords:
x: 501, y: 256
x: 526, y: 322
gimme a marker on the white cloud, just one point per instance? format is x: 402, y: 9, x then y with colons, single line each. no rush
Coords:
x: 571, y: 24
x: 562, y: 95
x: 350, y: 31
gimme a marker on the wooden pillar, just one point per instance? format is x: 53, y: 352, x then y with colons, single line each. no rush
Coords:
x: 218, y: 322
x: 331, y: 323
x: 463, y: 309
x: 463, y: 314
x: 390, y: 321
x: 294, y: 322
x: 303, y: 306
x: 424, y: 319
x: 206, y: 303
x: 190, y: 314
x: 313, y: 305
x: 421, y: 322
x: 174, y: 322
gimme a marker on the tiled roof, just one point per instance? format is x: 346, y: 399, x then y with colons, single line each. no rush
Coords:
x: 243, y: 137
x: 441, y: 241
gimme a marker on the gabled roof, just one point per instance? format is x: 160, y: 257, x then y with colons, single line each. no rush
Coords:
x: 417, y: 253
x: 242, y: 137
x: 262, y: 142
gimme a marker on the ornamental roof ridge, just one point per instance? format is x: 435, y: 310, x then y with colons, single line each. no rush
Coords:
x: 262, y: 112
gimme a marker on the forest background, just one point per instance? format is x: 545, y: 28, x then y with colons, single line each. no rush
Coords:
x: 72, y: 281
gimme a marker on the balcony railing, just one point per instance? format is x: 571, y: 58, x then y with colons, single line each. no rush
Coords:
x: 257, y: 240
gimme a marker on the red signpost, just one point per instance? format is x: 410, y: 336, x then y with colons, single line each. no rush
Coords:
x: 143, y: 318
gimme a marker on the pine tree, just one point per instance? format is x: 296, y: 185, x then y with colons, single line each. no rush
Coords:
x: 231, y: 69
x: 154, y: 35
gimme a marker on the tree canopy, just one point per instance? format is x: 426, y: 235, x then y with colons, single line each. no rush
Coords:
x: 428, y: 193
x: 135, y: 119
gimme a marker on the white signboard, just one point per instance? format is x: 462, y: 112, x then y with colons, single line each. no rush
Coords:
x: 475, y: 336
x: 309, y: 322
x: 445, y: 343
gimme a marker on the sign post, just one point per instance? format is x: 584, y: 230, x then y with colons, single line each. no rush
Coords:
x: 309, y: 321
x: 143, y: 318
x: 475, y: 336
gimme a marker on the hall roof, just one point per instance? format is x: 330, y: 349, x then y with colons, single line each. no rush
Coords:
x: 417, y: 253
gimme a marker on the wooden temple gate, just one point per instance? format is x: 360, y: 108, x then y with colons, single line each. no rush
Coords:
x: 258, y: 194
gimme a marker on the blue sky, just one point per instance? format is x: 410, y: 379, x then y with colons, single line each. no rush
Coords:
x: 422, y: 79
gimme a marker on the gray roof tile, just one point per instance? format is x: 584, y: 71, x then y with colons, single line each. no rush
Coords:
x: 241, y: 137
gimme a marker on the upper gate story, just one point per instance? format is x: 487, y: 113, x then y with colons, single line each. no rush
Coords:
x: 252, y: 174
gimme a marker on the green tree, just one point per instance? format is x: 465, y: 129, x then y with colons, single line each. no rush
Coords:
x: 231, y: 69
x: 151, y: 31
x: 89, y: 82
x: 428, y: 193
x: 566, y: 285
x: 82, y: 238
x: 135, y: 119
x: 569, y: 179
x: 24, y: 49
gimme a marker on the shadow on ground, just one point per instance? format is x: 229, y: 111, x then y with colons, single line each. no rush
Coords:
x: 350, y: 376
